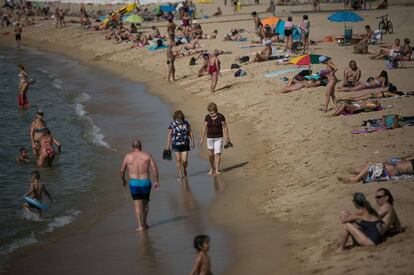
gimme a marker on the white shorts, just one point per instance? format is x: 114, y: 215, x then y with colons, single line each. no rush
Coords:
x: 215, y: 144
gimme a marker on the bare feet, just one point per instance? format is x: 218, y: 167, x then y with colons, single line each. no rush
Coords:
x: 217, y: 173
x: 210, y: 172
x: 339, y: 250
x: 142, y: 228
x: 346, y: 179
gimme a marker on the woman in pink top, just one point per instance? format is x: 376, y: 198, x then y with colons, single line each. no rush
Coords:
x: 288, y: 33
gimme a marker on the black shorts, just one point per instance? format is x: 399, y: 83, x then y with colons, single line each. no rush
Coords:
x: 18, y: 37
x: 181, y: 148
x: 288, y: 33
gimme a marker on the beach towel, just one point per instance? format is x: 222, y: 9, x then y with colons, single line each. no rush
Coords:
x: 280, y: 72
x: 376, y: 172
x: 153, y: 48
x: 167, y: 9
x: 376, y: 125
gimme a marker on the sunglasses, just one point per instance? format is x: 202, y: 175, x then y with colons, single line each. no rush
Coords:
x: 379, y: 197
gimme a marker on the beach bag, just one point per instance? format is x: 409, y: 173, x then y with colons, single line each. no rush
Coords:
x: 239, y: 73
x: 235, y: 66
x: 243, y: 59
x: 361, y: 49
x: 391, y: 121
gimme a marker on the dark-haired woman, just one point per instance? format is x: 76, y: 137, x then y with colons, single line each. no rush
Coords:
x: 179, y: 138
x: 371, y: 83
x: 387, y: 213
x: 23, y: 87
x: 364, y: 226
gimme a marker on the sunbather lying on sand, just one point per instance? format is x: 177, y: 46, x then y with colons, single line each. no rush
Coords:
x: 371, y: 83
x: 382, y: 171
x: 299, y: 85
x: 233, y: 35
x: 265, y: 53
x: 356, y: 108
x: 388, y: 51
x: 383, y: 94
x: 212, y: 35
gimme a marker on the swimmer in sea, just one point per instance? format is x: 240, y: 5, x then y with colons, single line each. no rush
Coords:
x: 23, y: 157
x: 138, y: 164
x: 36, y: 191
x: 36, y: 130
x: 47, y: 153
x: 202, y: 264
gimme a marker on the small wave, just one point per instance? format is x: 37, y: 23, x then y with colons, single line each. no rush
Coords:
x: 95, y: 135
x: 57, y: 83
x: 7, y: 249
x: 49, y: 74
x: 62, y: 220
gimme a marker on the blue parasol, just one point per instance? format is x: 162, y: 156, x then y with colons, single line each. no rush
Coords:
x: 345, y: 16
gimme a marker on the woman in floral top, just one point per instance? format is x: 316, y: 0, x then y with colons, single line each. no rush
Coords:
x: 179, y: 138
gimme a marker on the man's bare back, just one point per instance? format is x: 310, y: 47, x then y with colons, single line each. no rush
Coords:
x: 138, y: 164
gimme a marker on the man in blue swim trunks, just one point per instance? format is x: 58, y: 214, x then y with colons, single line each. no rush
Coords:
x: 138, y: 164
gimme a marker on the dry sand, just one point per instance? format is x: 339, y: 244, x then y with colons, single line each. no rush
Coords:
x: 284, y: 203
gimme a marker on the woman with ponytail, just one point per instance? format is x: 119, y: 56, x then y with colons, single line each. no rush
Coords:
x: 365, y: 227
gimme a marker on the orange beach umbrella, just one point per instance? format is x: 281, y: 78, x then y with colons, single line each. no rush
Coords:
x: 271, y: 21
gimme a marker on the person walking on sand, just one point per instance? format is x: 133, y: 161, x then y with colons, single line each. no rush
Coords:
x: 202, y: 264
x: 332, y: 80
x: 179, y: 138
x: 305, y: 29
x: 215, y: 127
x: 138, y: 164
x: 36, y: 191
x: 214, y: 70
x: 18, y: 34
x: 170, y: 61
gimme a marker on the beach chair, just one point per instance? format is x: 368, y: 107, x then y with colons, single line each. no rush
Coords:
x: 346, y: 39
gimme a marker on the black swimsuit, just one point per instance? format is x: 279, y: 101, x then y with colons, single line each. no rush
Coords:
x: 371, y: 231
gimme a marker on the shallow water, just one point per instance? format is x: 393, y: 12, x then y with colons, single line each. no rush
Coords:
x: 108, y: 112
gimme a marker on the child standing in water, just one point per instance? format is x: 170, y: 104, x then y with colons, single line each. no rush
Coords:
x: 202, y: 264
x: 36, y: 191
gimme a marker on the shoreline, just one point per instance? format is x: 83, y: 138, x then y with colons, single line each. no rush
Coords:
x: 294, y: 152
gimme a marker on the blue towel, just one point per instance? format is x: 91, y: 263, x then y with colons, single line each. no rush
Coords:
x: 153, y: 48
x: 280, y: 72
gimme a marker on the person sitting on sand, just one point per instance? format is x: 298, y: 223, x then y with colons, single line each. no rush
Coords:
x: 387, y: 213
x: 217, y: 13
x: 351, y: 75
x: 373, y: 82
x: 265, y: 53
x: 356, y: 108
x: 233, y: 35
x: 382, y: 171
x: 23, y: 156
x: 365, y: 39
x: 388, y: 51
x: 407, y: 50
x: 365, y: 227
x: 197, y: 31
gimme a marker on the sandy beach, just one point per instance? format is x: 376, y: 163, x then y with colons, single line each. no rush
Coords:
x: 281, y: 198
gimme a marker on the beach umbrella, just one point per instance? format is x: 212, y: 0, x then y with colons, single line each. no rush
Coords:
x: 306, y: 59
x: 271, y: 21
x: 133, y: 18
x: 345, y: 16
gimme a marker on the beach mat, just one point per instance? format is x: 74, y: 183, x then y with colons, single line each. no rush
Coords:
x: 153, y: 48
x: 281, y: 72
x: 379, y: 125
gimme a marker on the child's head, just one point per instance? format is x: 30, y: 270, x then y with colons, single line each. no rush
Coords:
x: 35, y: 175
x: 305, y: 17
x: 23, y: 151
x: 201, y: 243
